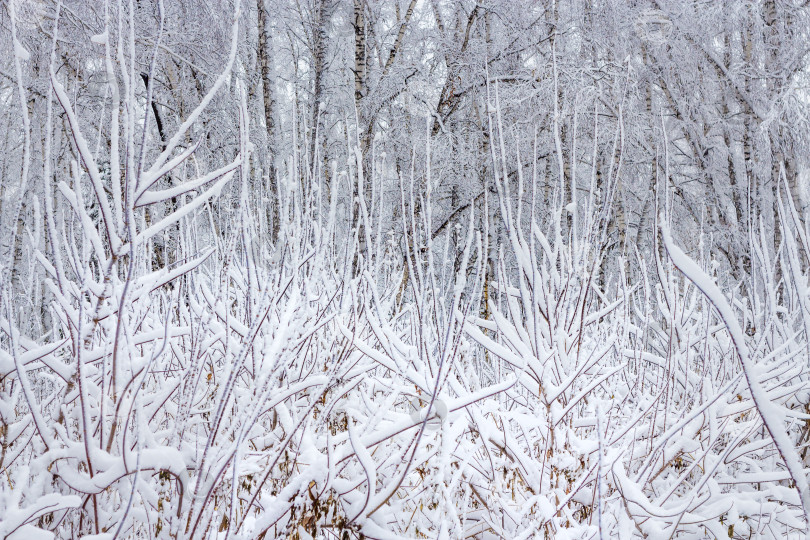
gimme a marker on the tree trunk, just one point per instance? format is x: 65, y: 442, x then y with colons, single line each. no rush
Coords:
x: 265, y: 60
x: 319, y: 64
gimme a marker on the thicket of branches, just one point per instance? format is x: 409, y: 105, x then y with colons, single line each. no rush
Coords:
x: 397, y: 269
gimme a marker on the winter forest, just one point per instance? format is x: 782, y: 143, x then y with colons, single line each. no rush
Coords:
x: 345, y: 269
